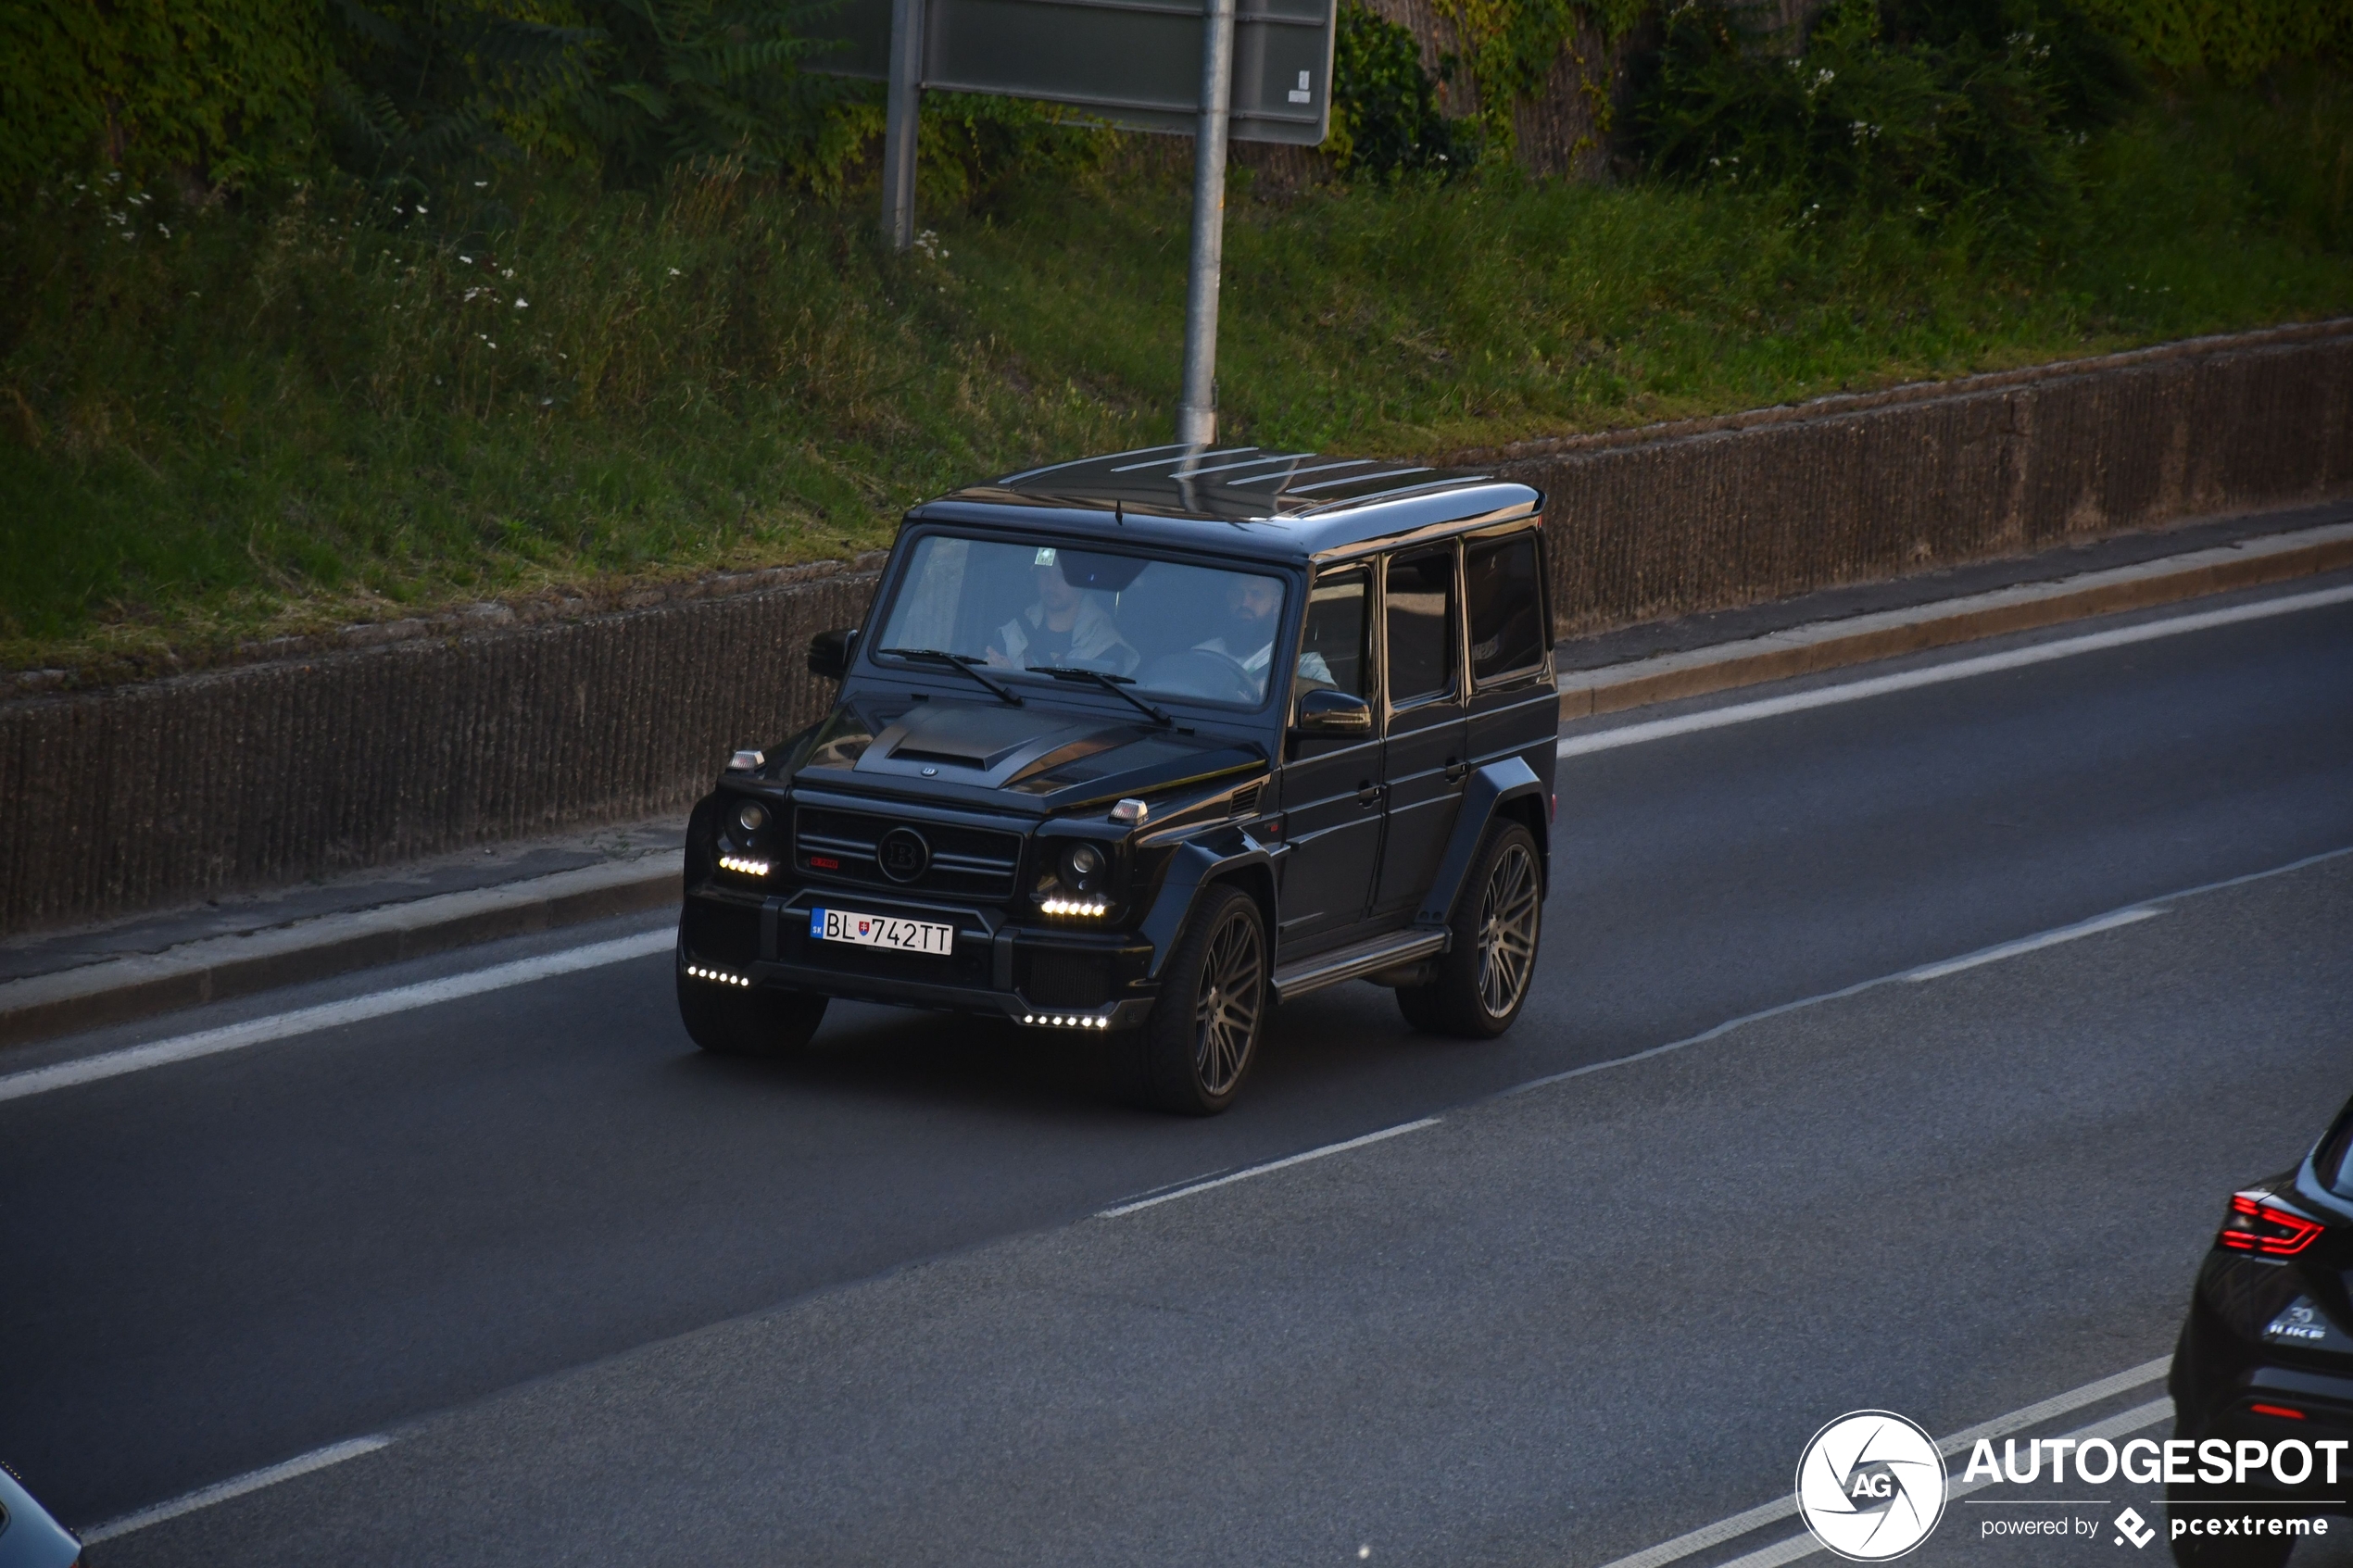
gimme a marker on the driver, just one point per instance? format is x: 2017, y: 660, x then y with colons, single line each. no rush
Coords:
x: 1062, y: 628
x: 1253, y: 614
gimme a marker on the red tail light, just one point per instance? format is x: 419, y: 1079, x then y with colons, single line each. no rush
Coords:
x: 2264, y: 1229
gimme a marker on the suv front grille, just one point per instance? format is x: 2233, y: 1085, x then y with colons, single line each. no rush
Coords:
x: 968, y: 862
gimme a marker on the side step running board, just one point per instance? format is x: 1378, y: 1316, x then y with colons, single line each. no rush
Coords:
x: 1353, y: 963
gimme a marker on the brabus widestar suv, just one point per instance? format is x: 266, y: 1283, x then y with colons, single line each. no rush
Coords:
x: 1141, y: 745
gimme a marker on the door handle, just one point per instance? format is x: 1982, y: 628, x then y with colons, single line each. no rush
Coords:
x: 1368, y: 793
x: 1455, y: 769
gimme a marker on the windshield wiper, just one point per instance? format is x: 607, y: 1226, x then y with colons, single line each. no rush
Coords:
x: 1111, y: 683
x: 960, y: 662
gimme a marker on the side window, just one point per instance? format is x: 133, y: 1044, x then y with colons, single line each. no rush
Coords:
x: 1506, y: 606
x: 1333, y: 645
x: 1421, y: 624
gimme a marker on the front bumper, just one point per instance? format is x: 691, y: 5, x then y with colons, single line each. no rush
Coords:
x: 1039, y: 976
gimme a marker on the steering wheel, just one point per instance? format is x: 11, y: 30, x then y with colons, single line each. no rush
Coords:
x: 1202, y: 672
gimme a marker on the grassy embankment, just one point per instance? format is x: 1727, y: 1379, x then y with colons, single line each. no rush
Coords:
x: 265, y: 422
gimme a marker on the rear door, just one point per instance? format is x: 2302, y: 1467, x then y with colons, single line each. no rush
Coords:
x: 1331, y: 783
x: 1422, y: 758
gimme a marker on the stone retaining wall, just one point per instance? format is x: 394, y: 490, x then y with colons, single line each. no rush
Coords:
x: 1716, y: 513
x: 138, y: 795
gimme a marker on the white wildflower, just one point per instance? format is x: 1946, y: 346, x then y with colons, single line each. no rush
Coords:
x: 523, y: 305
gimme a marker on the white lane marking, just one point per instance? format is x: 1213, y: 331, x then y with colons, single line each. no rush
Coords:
x: 1131, y: 1207
x: 2115, y: 1426
x: 327, y: 1015
x: 235, y: 1487
x: 1861, y: 985
x: 2029, y: 944
x: 1960, y: 669
x: 2001, y: 1426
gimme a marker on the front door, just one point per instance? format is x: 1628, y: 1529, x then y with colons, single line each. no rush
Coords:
x: 1331, y: 783
x: 1422, y: 766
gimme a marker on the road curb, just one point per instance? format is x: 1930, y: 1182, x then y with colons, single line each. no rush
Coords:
x: 1832, y: 644
x: 120, y: 990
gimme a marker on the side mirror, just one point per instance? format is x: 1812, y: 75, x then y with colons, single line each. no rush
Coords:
x: 829, y: 652
x: 1327, y: 712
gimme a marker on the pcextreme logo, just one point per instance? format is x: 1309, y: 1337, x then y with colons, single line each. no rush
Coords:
x: 1871, y: 1486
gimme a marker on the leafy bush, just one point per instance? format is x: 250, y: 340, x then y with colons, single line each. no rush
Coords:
x: 1385, y: 114
x: 2234, y: 40
x: 1945, y: 112
x: 144, y: 88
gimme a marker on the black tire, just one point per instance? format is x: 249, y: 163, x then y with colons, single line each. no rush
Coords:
x: 1192, y: 1055
x: 1497, y: 923
x: 755, y: 1021
x: 2220, y: 1551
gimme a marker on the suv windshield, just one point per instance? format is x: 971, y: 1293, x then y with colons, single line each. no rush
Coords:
x: 1158, y: 627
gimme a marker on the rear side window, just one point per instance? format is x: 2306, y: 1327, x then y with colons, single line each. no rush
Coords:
x: 1421, y: 624
x: 2334, y: 1162
x: 1506, y: 606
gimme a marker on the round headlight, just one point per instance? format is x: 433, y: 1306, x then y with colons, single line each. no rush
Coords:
x: 754, y: 817
x: 1083, y: 863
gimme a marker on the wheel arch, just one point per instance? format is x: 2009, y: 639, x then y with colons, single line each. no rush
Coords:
x: 1507, y: 788
x: 1229, y: 857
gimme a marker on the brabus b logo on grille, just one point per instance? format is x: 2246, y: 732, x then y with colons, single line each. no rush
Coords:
x: 903, y: 855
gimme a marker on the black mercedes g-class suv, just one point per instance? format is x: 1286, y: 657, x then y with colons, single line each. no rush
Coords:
x: 1143, y: 744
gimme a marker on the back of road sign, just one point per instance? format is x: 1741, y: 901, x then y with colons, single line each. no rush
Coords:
x: 1135, y: 63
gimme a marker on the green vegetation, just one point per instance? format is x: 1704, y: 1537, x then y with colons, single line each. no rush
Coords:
x: 527, y: 352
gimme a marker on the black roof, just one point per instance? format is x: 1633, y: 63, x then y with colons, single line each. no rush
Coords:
x: 1278, y: 504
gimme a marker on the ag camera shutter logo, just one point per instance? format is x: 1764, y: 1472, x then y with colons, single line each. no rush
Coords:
x: 1871, y: 1486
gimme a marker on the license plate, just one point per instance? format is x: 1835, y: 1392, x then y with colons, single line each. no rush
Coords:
x: 881, y: 931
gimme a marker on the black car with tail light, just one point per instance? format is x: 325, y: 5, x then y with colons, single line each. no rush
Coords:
x: 1136, y: 746
x: 2262, y: 1379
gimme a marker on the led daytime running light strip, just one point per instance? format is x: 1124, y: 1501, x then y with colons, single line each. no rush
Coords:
x: 724, y: 979
x: 1065, y: 1021
x: 1073, y: 907
x: 750, y: 868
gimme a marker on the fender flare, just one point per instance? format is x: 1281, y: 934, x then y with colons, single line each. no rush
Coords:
x: 1493, y: 786
x: 1196, y: 864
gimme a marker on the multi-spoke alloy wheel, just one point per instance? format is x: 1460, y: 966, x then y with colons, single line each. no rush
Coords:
x: 1226, y: 1016
x: 1482, y: 982
x: 1193, y: 1054
x: 1507, y: 930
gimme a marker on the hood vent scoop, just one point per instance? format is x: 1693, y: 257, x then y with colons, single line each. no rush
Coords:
x: 1246, y: 800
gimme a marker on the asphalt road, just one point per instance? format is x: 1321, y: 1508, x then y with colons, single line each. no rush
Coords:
x: 1566, y: 1323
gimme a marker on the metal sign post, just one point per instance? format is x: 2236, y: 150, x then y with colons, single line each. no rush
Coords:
x: 904, y: 101
x: 1196, y: 403
x: 1254, y: 71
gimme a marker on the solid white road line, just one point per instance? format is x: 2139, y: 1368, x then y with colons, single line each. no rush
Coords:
x: 2031, y: 944
x: 1960, y: 669
x: 278, y: 1026
x: 1228, y: 1179
x: 235, y: 1487
x: 2001, y: 1426
x: 2115, y: 1426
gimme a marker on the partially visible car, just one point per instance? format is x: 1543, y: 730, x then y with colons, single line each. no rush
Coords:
x: 28, y: 1538
x: 2267, y: 1356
